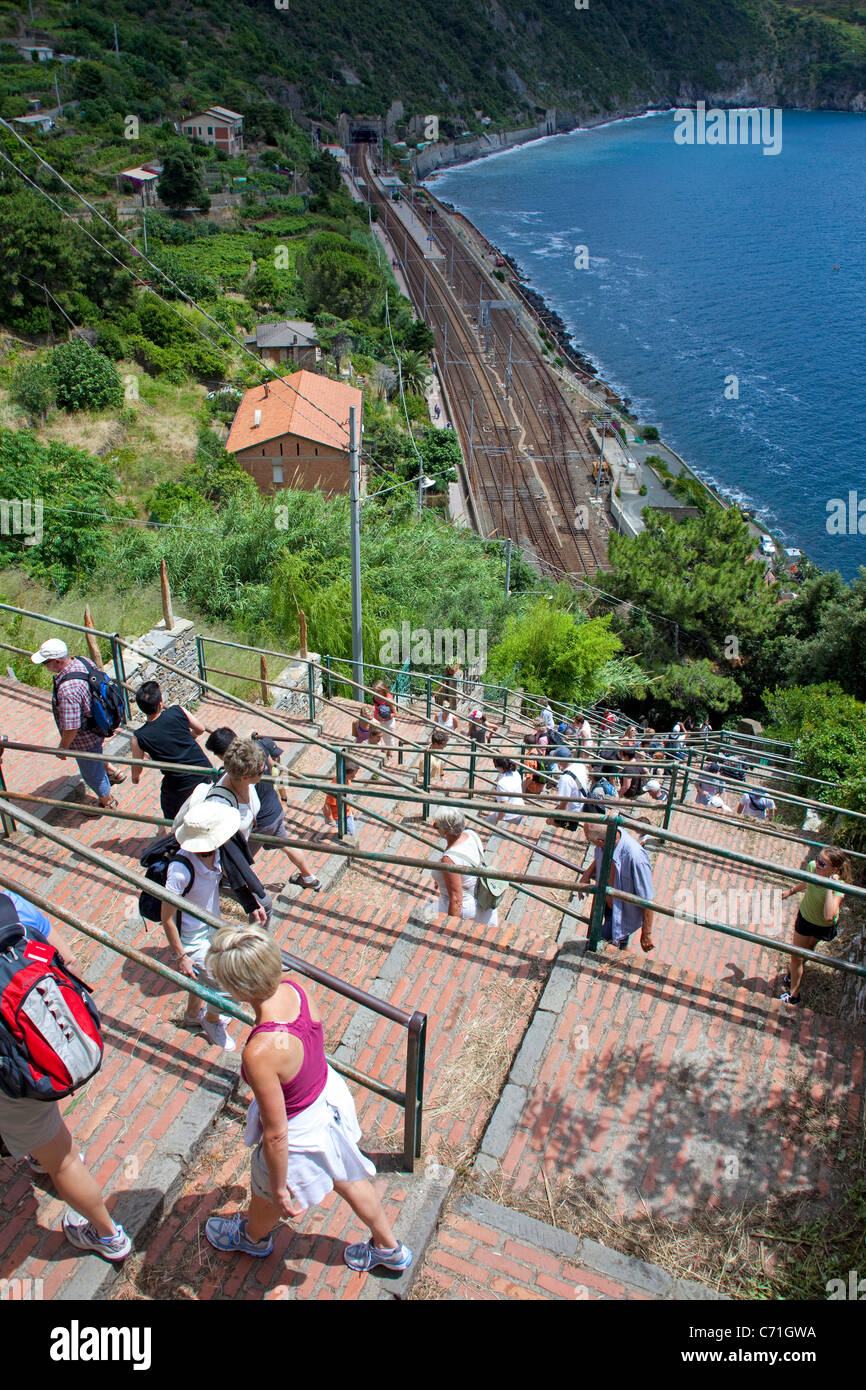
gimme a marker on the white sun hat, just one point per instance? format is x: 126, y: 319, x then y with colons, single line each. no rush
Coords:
x: 206, y: 826
x: 51, y: 650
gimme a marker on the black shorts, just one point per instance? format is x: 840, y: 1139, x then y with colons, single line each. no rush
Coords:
x: 826, y: 933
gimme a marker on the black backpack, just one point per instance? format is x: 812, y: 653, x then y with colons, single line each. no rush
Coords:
x: 107, y: 709
x: 155, y: 863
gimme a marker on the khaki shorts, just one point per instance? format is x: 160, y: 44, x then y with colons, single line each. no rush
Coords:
x: 26, y: 1125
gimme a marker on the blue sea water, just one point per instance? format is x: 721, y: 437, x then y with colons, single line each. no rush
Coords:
x: 707, y: 262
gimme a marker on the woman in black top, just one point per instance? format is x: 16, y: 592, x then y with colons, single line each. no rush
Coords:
x: 169, y: 736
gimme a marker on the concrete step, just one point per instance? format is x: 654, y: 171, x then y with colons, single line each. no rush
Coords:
x: 669, y: 1093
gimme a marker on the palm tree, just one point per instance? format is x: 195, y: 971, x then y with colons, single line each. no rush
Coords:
x: 415, y: 371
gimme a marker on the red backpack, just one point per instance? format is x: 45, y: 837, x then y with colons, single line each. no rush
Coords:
x: 50, y: 1037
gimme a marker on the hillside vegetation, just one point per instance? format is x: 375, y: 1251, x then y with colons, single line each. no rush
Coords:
x: 508, y: 58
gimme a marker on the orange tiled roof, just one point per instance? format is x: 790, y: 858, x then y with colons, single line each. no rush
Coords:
x: 305, y: 404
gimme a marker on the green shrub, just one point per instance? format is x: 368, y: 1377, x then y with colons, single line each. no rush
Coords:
x: 85, y: 379
x: 33, y: 387
x: 111, y: 342
x: 171, y: 497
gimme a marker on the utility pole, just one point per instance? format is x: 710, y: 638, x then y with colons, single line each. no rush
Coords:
x: 451, y: 271
x: 445, y: 350
x: 480, y: 302
x: 405, y: 253
x: 57, y: 93
x: 471, y: 431
x: 508, y: 368
x: 424, y: 306
x: 144, y: 217
x: 355, y: 555
x: 507, y: 567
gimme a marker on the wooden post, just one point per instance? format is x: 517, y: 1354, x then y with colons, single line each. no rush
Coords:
x: 263, y: 672
x: 167, y: 615
x: 303, y: 621
x: 92, y: 644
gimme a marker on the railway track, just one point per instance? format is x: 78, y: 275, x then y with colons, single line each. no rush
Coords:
x: 530, y: 467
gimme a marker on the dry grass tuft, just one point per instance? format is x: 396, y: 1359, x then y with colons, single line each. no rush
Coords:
x: 471, y: 1083
x: 786, y: 1247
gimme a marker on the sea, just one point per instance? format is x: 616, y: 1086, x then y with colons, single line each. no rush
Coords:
x: 719, y: 287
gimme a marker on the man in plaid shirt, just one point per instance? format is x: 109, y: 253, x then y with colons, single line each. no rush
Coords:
x: 71, y: 708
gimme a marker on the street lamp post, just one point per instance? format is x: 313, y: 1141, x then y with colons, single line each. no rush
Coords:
x: 355, y: 544
x: 355, y: 554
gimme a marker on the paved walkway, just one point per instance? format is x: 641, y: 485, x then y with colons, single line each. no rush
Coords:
x: 484, y: 1250
x: 161, y: 1088
x: 675, y: 1074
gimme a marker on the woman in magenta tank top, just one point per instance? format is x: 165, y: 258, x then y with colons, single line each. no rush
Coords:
x: 302, y: 1122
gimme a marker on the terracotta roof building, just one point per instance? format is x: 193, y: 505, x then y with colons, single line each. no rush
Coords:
x: 294, y: 432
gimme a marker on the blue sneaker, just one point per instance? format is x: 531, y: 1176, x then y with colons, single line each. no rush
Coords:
x: 367, y: 1256
x: 230, y: 1233
x: 79, y: 1232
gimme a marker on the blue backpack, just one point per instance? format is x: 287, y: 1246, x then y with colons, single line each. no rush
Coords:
x: 107, y: 709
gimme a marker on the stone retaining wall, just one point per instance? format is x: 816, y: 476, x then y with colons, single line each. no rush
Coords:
x: 176, y: 646
x: 296, y: 701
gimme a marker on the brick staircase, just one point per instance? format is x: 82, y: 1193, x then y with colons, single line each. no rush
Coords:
x: 635, y: 1072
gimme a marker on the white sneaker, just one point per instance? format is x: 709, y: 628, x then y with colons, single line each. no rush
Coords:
x: 218, y: 1034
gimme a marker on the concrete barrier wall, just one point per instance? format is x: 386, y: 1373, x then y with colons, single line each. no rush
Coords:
x: 438, y: 156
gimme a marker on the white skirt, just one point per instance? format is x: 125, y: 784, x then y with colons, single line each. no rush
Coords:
x: 323, y: 1146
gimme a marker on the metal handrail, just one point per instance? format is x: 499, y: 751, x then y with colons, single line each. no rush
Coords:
x: 57, y: 622
x: 604, y: 891
x: 414, y: 1023
x: 664, y: 833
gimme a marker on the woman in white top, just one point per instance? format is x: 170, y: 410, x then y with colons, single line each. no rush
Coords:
x: 584, y: 733
x: 244, y: 763
x: 509, y: 786
x: 384, y: 715
x: 195, y: 875
x: 446, y: 720
x: 457, y: 892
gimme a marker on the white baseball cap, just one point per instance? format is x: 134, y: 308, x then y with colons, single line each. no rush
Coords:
x: 52, y: 650
x: 206, y: 826
x: 653, y: 785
